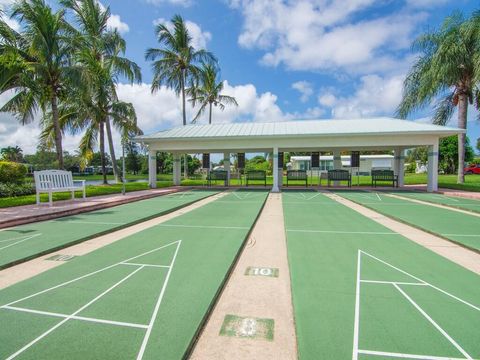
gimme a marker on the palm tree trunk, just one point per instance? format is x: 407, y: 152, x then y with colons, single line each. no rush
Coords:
x: 185, y: 165
x: 183, y: 98
x: 112, y: 150
x: 210, y: 115
x: 58, y: 133
x: 462, y: 124
x: 102, y: 153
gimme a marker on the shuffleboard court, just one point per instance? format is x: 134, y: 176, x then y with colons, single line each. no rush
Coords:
x: 361, y: 291
x: 25, y: 242
x: 449, y: 224
x: 142, y: 297
x: 456, y: 202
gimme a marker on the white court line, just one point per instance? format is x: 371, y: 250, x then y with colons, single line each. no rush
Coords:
x: 342, y: 232
x: 392, y: 282
x: 206, y: 226
x: 438, y: 327
x: 406, y: 356
x: 378, y: 196
x: 314, y: 196
x: 21, y: 241
x: 157, y: 306
x: 40, y: 337
x: 146, y: 265
x: 82, y: 318
x: 15, y: 238
x: 357, y: 309
x: 87, y: 275
x: 89, y: 222
x: 422, y: 281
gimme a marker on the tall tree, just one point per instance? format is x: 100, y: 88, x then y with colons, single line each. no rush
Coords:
x: 446, y: 70
x: 101, y: 52
x: 176, y: 63
x: 37, y: 64
x: 12, y: 153
x: 208, y: 92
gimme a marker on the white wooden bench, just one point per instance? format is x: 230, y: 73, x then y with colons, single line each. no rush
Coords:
x: 50, y: 181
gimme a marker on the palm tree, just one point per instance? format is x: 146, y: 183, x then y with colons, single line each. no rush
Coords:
x: 101, y: 54
x: 175, y: 64
x: 208, y: 93
x: 12, y: 153
x: 447, y: 69
x: 37, y: 64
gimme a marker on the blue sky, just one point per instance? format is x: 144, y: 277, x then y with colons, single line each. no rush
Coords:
x: 281, y: 59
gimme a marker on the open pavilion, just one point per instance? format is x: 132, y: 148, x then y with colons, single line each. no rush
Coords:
x: 334, y: 136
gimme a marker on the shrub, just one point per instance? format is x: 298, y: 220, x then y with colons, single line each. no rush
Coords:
x: 10, y: 189
x: 12, y: 173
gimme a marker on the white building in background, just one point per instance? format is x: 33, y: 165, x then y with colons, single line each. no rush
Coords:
x: 367, y: 163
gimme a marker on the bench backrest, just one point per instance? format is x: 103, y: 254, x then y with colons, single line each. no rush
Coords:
x: 338, y: 174
x: 296, y: 175
x: 383, y: 175
x: 256, y: 175
x: 53, y: 179
x: 218, y: 175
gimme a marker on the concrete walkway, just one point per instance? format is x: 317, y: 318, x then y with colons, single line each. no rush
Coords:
x: 256, y: 296
x: 18, y: 215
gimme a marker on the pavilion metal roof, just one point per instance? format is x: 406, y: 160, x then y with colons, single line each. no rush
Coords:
x: 373, y: 126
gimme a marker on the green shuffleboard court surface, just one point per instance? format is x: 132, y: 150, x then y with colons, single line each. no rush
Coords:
x: 457, y: 202
x: 453, y: 225
x: 361, y: 291
x: 25, y: 242
x: 142, y: 297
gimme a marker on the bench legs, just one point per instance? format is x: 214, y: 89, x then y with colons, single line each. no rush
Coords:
x: 50, y: 198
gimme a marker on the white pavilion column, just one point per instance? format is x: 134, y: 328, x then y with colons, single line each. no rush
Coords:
x: 432, y: 168
x: 399, y: 165
x: 226, y: 166
x: 337, y: 164
x: 152, y: 168
x: 177, y: 169
x: 280, y: 173
x: 275, y: 171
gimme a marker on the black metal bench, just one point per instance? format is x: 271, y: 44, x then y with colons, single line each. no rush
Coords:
x: 257, y: 175
x: 384, y: 175
x: 339, y: 175
x: 297, y: 175
x: 215, y: 175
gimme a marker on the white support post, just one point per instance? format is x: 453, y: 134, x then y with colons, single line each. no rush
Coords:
x: 226, y: 166
x: 337, y: 164
x: 177, y: 169
x: 275, y: 188
x: 401, y: 168
x: 280, y: 173
x: 432, y: 185
x: 152, y: 169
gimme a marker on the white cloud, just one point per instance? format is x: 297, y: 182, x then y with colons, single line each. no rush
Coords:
x: 375, y: 96
x: 304, y: 88
x: 14, y: 24
x: 199, y: 38
x: 115, y: 22
x: 324, y: 34
x: 184, y: 3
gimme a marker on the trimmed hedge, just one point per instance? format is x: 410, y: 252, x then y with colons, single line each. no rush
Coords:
x: 11, y: 190
x: 12, y: 172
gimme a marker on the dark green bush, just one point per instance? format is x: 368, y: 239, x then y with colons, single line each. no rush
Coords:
x: 12, y: 173
x: 10, y: 189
